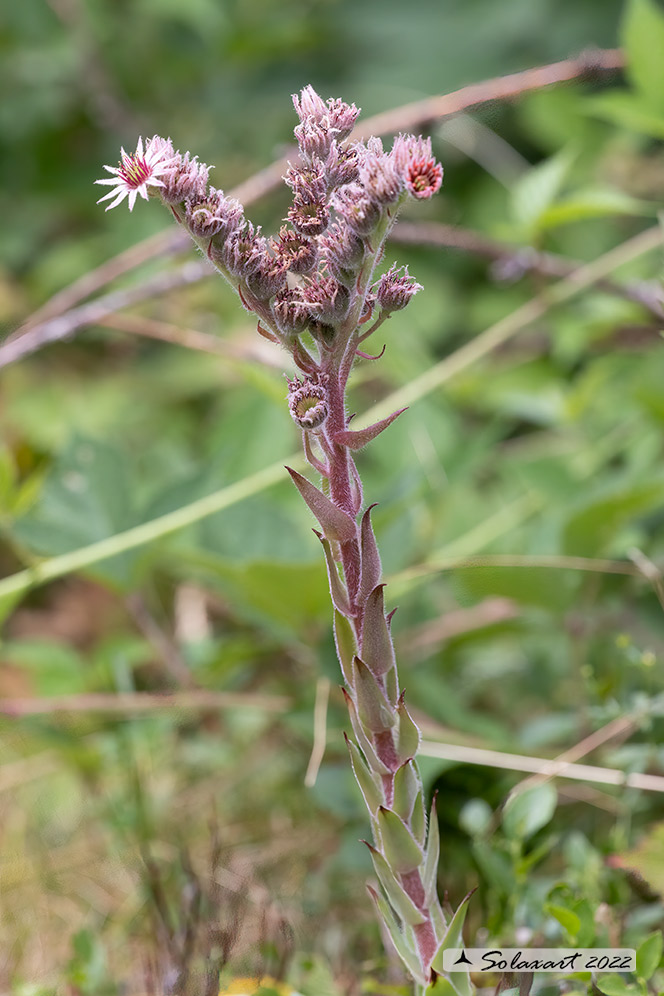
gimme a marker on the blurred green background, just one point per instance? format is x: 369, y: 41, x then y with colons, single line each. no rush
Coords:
x: 136, y: 844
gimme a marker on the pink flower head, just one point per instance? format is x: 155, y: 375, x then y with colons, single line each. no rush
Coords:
x: 421, y: 173
x: 136, y: 172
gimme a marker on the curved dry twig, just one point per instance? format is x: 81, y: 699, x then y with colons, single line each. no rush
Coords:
x: 410, y: 116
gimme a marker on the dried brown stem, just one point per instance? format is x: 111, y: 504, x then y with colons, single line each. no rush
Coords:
x: 416, y: 115
x: 133, y: 702
x: 516, y: 262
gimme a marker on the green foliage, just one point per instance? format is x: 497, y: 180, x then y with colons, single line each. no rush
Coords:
x: 543, y: 449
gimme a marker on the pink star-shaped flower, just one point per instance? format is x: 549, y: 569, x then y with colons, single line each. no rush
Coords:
x: 136, y: 172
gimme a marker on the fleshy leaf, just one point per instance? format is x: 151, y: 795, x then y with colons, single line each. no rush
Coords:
x: 454, y: 939
x: 407, y: 785
x: 377, y: 647
x: 355, y: 439
x: 375, y: 764
x: 407, y: 954
x: 337, y: 589
x: 371, y: 566
x: 408, y: 741
x: 368, y: 787
x: 344, y: 638
x: 336, y: 524
x: 401, y: 850
x: 372, y: 706
x: 430, y: 873
x: 401, y: 902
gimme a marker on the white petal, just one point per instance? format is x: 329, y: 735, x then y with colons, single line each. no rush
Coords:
x: 121, y: 196
x: 108, y: 181
x: 143, y: 192
x: 139, y: 147
x: 112, y: 169
x: 154, y: 182
x: 132, y: 199
x: 111, y: 193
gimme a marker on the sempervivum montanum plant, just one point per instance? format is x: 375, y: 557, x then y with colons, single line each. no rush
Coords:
x: 313, y: 291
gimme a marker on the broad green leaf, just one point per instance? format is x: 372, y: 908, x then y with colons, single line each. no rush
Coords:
x: 566, y: 918
x: 495, y: 866
x: 536, y: 190
x: 643, y: 41
x: 528, y: 811
x: 629, y: 110
x: 553, y: 590
x: 475, y: 817
x: 646, y: 858
x: 649, y: 955
x: 614, y: 985
x: 593, y: 528
x: 593, y: 203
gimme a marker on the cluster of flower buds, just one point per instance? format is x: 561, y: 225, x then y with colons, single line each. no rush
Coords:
x: 317, y: 276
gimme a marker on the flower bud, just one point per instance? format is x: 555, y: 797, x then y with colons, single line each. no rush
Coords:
x: 394, y: 290
x: 344, y: 252
x: 269, y: 278
x: 309, y: 106
x: 185, y: 178
x: 313, y: 139
x: 341, y: 166
x: 298, y: 253
x: 290, y: 311
x: 327, y: 298
x: 358, y: 210
x: 215, y: 214
x: 307, y: 401
x: 242, y: 252
x: 309, y: 218
x: 379, y: 175
x: 414, y: 162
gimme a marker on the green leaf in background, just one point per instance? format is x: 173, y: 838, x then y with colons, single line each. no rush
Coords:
x: 537, y: 189
x: 649, y: 955
x: 528, y: 811
x: 643, y: 41
x: 87, y: 496
x: 539, y: 586
x: 475, y: 817
x: 566, y: 918
x: 592, y: 529
x: 628, y: 110
x: 647, y: 858
x: 614, y: 985
x: 595, y: 202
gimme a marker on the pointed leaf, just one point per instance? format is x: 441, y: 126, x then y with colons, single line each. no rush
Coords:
x: 336, y: 524
x: 401, y: 902
x: 418, y: 819
x: 375, y: 764
x: 430, y: 873
x: 454, y: 939
x: 370, y: 791
x: 356, y: 439
x: 406, y: 953
x: 377, y: 647
x: 344, y: 637
x: 338, y: 592
x: 407, y: 784
x: 371, y: 566
x: 408, y: 741
x: 528, y: 811
x: 649, y: 955
x: 372, y: 706
x: 401, y: 850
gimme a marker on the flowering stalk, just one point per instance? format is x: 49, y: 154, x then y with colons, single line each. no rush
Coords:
x: 313, y: 291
